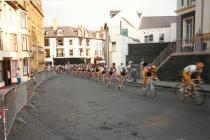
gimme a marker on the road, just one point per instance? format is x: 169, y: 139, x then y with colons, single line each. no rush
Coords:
x: 69, y: 108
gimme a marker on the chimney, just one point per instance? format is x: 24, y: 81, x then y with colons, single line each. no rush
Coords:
x: 54, y: 24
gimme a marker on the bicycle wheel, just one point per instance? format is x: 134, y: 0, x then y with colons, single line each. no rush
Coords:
x: 198, y: 96
x: 104, y: 80
x: 123, y: 85
x: 179, y: 92
x: 112, y: 83
x: 143, y: 91
x: 153, y: 91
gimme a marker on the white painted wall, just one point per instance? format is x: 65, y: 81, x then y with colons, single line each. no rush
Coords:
x: 169, y: 34
x: 123, y: 17
x: 94, y: 45
x: 119, y: 56
x: 10, y: 23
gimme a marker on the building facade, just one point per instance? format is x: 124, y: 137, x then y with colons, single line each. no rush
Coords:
x: 14, y: 50
x: 193, y: 25
x: 158, y: 29
x: 65, y: 45
x: 35, y: 34
x: 123, y: 29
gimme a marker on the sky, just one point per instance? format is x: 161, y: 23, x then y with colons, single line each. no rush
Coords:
x: 94, y: 13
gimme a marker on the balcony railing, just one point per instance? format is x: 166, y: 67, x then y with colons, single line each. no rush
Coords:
x: 196, y: 44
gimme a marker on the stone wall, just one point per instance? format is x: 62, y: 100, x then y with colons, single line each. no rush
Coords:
x: 147, y: 52
x: 172, y: 69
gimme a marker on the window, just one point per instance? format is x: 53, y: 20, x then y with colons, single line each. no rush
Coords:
x: 5, y: 13
x: 88, y: 42
x: 59, y: 41
x: 114, y: 46
x: 150, y: 38
x: 14, y: 67
x: 71, y: 52
x: 146, y: 39
x: 25, y: 66
x: 1, y: 41
x: 24, y: 43
x: 59, y: 32
x: 23, y: 20
x: 70, y: 42
x: 45, y: 33
x: 80, y: 52
x: 60, y: 53
x: 182, y: 2
x: 10, y: 15
x: 1, y: 71
x: 87, y: 52
x: 0, y: 10
x: 161, y: 37
x: 47, y: 53
x: 80, y: 41
x: 189, y: 31
x: 46, y: 42
x: 190, y: 2
x: 13, y: 42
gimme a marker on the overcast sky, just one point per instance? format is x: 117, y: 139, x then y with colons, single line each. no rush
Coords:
x: 94, y: 13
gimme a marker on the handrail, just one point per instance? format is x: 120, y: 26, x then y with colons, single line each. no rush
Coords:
x: 164, y: 54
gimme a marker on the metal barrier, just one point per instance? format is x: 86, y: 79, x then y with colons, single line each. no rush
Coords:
x: 30, y: 85
x: 13, y: 100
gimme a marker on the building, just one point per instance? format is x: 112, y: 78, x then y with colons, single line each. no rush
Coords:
x: 193, y: 41
x: 123, y: 29
x: 64, y: 44
x: 193, y: 25
x: 158, y: 29
x: 156, y: 34
x: 14, y: 51
x: 35, y: 34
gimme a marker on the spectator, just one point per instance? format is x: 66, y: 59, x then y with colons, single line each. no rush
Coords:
x: 133, y: 72
x: 18, y: 76
x: 9, y: 77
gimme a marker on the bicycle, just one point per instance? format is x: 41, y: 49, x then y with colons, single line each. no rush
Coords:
x: 111, y: 81
x: 104, y: 79
x: 122, y: 85
x: 192, y: 90
x: 150, y: 88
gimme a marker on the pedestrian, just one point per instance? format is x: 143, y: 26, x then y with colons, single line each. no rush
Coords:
x: 18, y: 76
x: 129, y: 69
x: 9, y: 77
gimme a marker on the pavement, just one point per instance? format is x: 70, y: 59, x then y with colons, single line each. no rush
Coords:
x: 169, y: 84
x: 70, y: 108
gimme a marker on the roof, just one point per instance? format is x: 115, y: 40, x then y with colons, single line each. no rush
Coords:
x: 114, y: 12
x: 157, y: 22
x: 69, y: 31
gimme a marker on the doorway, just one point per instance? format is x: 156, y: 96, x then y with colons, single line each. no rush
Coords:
x: 7, y: 77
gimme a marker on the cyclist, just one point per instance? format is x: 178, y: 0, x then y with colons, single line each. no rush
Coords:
x: 150, y: 71
x: 192, y: 71
x: 101, y: 69
x: 123, y: 73
x: 112, y: 72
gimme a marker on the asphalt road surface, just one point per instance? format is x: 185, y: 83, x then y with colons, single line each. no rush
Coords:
x: 69, y: 108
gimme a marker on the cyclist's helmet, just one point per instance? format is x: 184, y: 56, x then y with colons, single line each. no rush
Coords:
x: 153, y: 68
x: 200, y: 65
